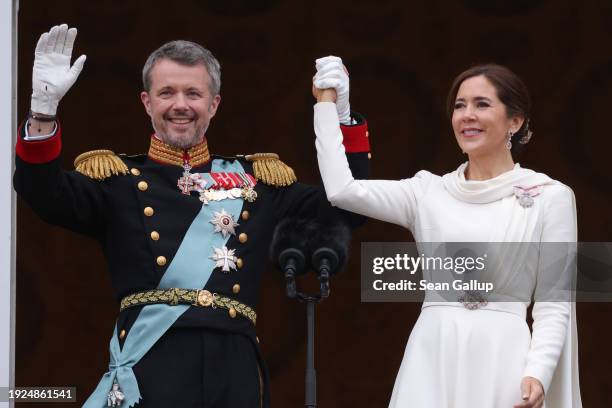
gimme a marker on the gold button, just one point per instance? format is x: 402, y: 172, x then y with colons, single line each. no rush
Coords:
x: 154, y: 235
x: 161, y: 260
x: 122, y: 334
x: 367, y: 133
x: 232, y: 312
x: 148, y: 211
x: 243, y: 238
x: 239, y: 262
x: 142, y: 186
x: 369, y: 155
x: 236, y: 288
x: 245, y: 215
x: 135, y: 172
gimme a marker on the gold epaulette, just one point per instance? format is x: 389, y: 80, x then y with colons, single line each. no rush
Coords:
x: 269, y: 169
x: 100, y: 164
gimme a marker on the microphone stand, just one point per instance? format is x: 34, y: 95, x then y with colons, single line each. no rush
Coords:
x: 292, y: 239
x: 325, y: 260
x: 311, y: 373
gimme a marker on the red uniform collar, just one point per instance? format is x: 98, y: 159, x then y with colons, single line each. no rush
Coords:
x: 164, y: 153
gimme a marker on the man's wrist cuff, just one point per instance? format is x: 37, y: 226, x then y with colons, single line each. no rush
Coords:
x: 39, y: 151
x: 42, y: 117
x: 356, y: 136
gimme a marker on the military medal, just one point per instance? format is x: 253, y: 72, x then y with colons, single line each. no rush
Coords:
x: 185, y: 183
x: 228, y: 180
x: 525, y: 201
x: 224, y: 258
x: 115, y: 396
x: 218, y: 186
x: 224, y: 223
x: 249, y: 194
x: 525, y: 195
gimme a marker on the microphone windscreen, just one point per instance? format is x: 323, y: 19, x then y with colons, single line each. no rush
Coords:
x: 335, y: 236
x: 290, y: 233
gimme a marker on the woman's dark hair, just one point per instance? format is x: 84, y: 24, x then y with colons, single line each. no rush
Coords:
x: 511, y: 91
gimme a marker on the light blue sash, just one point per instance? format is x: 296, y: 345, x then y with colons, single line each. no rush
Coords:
x: 190, y: 269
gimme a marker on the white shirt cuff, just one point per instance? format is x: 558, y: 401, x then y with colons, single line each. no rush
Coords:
x: 29, y: 138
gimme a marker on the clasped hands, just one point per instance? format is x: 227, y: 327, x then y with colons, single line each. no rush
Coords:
x: 331, y: 84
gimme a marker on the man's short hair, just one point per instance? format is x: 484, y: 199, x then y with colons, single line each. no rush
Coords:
x: 185, y: 53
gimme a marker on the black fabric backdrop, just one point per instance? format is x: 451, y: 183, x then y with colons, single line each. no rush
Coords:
x: 402, y: 56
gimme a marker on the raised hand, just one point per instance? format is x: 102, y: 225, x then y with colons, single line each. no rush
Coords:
x: 331, y: 73
x: 52, y: 75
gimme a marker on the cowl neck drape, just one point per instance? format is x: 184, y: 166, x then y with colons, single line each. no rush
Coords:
x: 493, y: 189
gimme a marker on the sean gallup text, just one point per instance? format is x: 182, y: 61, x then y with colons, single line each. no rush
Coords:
x: 455, y: 285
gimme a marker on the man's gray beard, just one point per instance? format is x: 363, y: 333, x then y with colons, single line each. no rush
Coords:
x: 180, y: 144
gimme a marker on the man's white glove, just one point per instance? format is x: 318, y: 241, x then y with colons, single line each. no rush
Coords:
x: 331, y: 73
x: 52, y: 74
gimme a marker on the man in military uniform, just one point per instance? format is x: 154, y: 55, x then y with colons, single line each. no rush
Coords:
x: 185, y: 233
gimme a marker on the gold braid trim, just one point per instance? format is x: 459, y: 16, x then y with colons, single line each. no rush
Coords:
x: 241, y: 308
x: 100, y: 164
x: 175, y: 296
x: 172, y: 297
x: 271, y: 170
x: 164, y: 153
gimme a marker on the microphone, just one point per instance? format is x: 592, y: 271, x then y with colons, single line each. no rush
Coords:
x: 289, y: 242
x: 329, y: 249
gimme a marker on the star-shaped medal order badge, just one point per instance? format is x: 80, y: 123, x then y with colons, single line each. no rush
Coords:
x: 224, y: 223
x: 224, y: 258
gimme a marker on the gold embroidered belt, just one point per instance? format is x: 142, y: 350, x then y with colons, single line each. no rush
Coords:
x: 194, y: 297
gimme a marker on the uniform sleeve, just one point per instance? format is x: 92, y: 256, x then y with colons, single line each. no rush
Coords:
x: 386, y: 200
x: 552, y: 310
x: 67, y: 199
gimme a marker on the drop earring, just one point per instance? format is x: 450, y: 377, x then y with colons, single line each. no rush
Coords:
x: 509, y: 141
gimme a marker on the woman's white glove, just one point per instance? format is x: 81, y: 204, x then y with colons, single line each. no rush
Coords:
x: 52, y: 74
x: 331, y: 73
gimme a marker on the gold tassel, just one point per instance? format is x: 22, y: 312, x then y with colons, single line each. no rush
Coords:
x: 271, y: 170
x: 100, y: 164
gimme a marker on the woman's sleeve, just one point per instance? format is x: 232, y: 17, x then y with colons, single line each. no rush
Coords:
x: 552, y: 310
x: 385, y: 200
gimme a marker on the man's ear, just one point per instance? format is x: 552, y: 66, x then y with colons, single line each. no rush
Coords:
x: 146, y: 101
x: 214, y: 104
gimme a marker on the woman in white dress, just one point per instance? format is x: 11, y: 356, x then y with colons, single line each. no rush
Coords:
x: 483, y: 356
